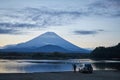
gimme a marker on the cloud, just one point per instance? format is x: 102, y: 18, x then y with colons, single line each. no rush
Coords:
x: 53, y: 17
x: 109, y: 8
x: 45, y: 17
x: 16, y: 25
x: 100, y: 30
x: 8, y: 31
x: 88, y: 32
x: 15, y: 28
x: 37, y: 18
x: 83, y: 32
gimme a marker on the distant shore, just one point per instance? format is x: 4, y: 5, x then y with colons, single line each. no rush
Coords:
x: 96, y: 75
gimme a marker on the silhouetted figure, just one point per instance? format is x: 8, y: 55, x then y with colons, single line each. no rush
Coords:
x: 74, y: 67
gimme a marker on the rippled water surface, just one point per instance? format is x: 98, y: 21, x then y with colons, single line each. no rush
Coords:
x: 28, y: 66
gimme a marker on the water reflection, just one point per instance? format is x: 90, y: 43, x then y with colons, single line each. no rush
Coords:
x: 106, y: 66
x: 28, y: 66
x: 10, y: 67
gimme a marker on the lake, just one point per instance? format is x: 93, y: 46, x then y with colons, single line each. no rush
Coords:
x: 30, y: 66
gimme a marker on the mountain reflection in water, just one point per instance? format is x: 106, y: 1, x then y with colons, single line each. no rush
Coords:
x: 29, y: 66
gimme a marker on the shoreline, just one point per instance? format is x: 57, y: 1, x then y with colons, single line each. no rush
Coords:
x: 68, y: 75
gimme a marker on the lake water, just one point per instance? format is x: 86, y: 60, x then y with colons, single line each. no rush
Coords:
x: 29, y: 66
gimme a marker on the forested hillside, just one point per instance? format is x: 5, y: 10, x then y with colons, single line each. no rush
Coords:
x: 106, y: 52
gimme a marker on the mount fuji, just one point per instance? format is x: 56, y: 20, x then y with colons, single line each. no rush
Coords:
x: 47, y: 42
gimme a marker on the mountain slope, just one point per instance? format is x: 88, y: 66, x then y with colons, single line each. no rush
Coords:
x: 51, y: 48
x: 49, y: 38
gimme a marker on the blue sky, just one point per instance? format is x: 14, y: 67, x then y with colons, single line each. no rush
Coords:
x: 86, y: 23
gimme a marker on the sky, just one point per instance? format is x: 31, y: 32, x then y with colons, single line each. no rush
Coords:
x: 85, y: 23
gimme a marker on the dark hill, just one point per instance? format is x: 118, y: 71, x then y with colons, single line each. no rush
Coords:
x: 106, y: 52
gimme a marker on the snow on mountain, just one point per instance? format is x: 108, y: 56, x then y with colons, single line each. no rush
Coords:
x: 49, y: 38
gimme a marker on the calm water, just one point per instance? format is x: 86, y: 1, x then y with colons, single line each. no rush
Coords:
x: 29, y: 66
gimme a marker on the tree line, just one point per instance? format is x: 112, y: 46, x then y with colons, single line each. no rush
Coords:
x: 40, y: 55
x: 106, y: 52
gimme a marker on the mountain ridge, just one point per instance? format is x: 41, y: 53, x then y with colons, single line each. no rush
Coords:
x: 48, y: 38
